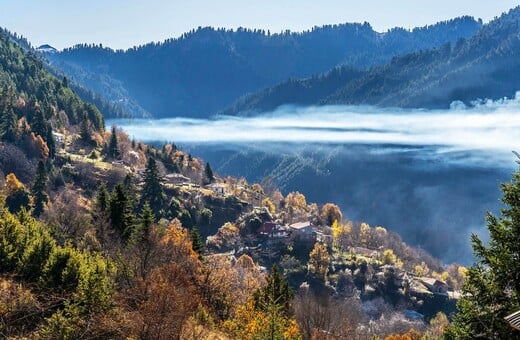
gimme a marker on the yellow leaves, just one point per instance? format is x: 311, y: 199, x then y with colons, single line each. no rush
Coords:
x: 389, y: 257
x: 336, y: 230
x: 422, y: 269
x: 250, y: 323
x: 12, y: 184
x: 296, y: 200
x: 463, y: 272
x: 380, y: 230
x: 292, y: 331
x: 319, y: 260
x: 339, y: 230
x: 364, y: 233
x: 341, y: 234
x: 266, y: 202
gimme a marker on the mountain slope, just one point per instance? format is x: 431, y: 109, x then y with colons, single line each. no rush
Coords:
x: 484, y: 66
x: 185, y: 76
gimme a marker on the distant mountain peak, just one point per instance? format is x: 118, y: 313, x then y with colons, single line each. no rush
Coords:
x: 46, y: 48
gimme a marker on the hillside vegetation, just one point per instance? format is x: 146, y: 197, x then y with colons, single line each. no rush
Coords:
x: 105, y: 237
x: 480, y: 67
x: 185, y: 76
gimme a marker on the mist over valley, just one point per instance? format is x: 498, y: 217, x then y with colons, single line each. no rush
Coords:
x: 430, y: 175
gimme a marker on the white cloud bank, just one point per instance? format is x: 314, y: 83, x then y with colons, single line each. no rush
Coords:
x: 489, y: 125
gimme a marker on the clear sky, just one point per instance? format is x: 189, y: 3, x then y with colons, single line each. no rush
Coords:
x: 125, y: 23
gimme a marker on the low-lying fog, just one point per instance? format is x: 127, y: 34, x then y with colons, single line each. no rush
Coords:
x: 429, y: 175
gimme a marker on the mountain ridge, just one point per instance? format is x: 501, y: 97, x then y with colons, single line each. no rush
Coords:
x: 184, y: 76
x: 481, y: 67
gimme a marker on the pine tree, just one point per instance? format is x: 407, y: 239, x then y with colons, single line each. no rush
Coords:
x: 113, y: 145
x: 85, y: 130
x: 276, y: 291
x: 492, y: 287
x: 121, y: 215
x: 39, y: 124
x: 39, y: 189
x: 196, y: 241
x: 131, y: 191
x: 102, y: 198
x: 153, y: 192
x: 8, y: 127
x: 146, y: 220
x: 209, y: 173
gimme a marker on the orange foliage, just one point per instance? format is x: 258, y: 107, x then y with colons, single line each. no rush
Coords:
x: 330, y: 213
x: 412, y: 334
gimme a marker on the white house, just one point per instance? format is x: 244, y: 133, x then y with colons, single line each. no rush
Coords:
x: 174, y: 178
x: 303, y: 230
x: 218, y: 188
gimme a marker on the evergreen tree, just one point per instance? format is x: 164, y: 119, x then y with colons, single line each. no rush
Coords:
x: 142, y: 231
x: 102, y: 198
x: 39, y: 124
x: 9, y: 118
x: 276, y: 291
x: 129, y: 185
x: 113, y: 145
x: 85, y: 130
x: 196, y: 242
x: 209, y: 173
x: 153, y: 192
x: 49, y: 139
x: 121, y: 216
x: 492, y: 287
x: 9, y: 125
x: 39, y: 189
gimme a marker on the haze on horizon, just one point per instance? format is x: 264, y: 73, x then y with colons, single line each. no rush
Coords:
x: 491, y: 127
x: 123, y: 24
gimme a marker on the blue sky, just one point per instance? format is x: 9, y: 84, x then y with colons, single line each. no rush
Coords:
x: 122, y: 24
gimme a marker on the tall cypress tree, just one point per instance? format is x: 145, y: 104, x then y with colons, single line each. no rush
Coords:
x: 153, y: 192
x: 209, y: 173
x: 39, y: 189
x: 492, y: 287
x: 49, y: 139
x: 113, y: 145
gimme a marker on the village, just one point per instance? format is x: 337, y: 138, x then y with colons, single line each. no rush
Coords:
x: 282, y: 231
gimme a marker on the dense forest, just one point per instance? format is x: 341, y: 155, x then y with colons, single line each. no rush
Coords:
x: 184, y: 76
x: 484, y: 66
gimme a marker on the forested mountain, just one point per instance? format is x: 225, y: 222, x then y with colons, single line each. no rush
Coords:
x: 206, y: 69
x: 100, y: 239
x: 33, y: 105
x: 484, y: 66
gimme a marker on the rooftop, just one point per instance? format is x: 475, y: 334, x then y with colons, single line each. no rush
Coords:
x: 300, y: 225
